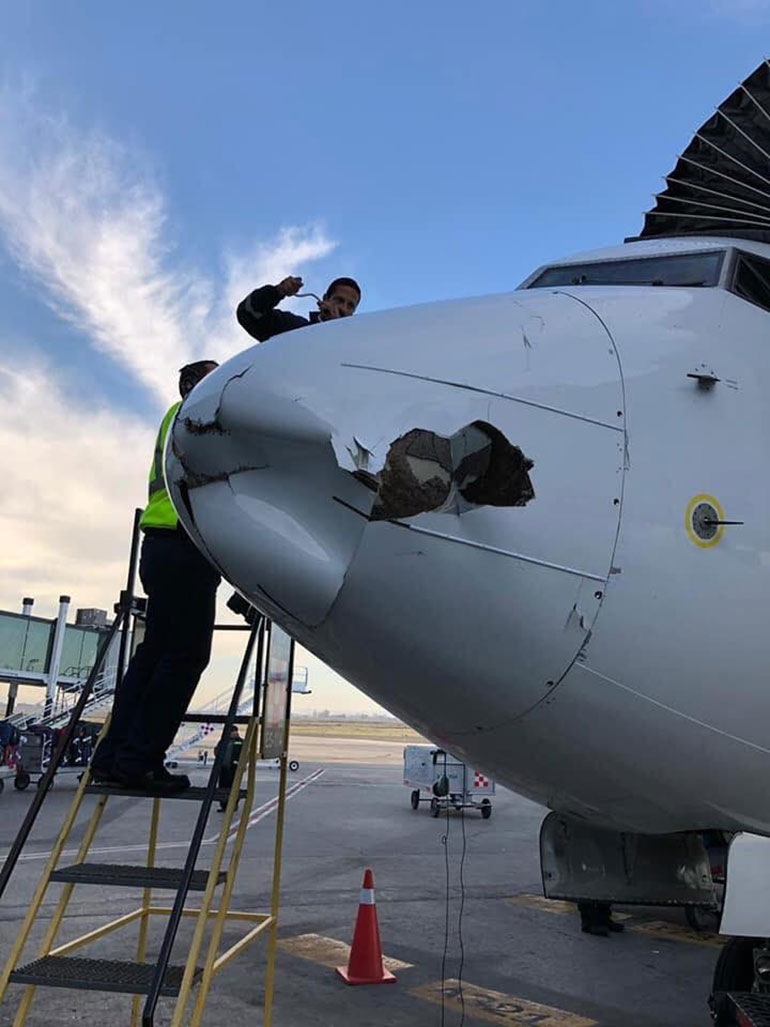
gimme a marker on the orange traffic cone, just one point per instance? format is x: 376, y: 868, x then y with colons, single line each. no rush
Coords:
x: 365, y: 963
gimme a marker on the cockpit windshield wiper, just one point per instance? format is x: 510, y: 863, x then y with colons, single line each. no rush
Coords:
x: 584, y: 280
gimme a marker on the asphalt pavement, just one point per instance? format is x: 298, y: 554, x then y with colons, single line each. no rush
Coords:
x: 515, y: 959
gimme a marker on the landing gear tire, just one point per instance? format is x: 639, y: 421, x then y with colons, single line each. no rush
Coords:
x: 734, y: 972
x: 415, y: 798
x: 435, y: 807
x: 293, y: 766
x: 486, y: 809
x: 21, y: 781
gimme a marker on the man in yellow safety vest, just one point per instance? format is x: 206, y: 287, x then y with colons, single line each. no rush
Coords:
x: 181, y: 588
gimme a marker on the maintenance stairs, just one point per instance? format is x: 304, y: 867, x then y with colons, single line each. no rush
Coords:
x: 56, y: 967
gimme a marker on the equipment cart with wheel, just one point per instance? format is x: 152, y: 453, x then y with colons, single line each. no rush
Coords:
x: 451, y: 784
x: 36, y: 747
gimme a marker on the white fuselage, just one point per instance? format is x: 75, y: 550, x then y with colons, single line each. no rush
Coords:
x: 586, y: 649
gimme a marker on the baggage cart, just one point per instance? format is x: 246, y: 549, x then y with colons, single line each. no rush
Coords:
x: 448, y: 782
x: 36, y: 747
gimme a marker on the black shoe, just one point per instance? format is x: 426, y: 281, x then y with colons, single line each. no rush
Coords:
x: 163, y: 774
x: 101, y: 775
x: 151, y: 781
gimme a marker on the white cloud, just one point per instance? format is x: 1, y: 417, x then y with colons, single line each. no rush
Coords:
x: 86, y: 220
x: 72, y: 476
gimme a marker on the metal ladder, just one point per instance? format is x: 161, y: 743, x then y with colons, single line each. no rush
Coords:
x: 55, y: 967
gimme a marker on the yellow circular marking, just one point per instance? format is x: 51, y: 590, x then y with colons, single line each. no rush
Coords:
x: 704, y: 543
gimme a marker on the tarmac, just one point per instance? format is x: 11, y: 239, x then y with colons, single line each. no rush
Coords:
x: 521, y: 959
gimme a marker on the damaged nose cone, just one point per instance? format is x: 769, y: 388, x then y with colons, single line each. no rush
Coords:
x: 254, y: 478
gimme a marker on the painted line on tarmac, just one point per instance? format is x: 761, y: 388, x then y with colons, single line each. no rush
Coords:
x: 269, y: 807
x: 256, y: 815
x: 330, y: 952
x: 497, y: 1007
x: 651, y: 928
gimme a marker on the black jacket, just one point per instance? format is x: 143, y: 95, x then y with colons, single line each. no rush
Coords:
x: 257, y: 314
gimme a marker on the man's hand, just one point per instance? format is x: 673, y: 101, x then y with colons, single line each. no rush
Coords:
x: 290, y: 286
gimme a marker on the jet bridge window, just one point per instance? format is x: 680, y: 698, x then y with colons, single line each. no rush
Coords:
x: 751, y: 279
x: 682, y: 269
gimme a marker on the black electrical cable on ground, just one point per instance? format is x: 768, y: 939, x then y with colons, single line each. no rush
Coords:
x: 460, y: 919
x: 445, y: 843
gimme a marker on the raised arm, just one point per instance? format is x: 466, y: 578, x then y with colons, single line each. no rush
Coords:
x: 258, y: 316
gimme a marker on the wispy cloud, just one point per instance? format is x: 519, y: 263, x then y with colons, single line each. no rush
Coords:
x: 72, y: 476
x: 86, y: 220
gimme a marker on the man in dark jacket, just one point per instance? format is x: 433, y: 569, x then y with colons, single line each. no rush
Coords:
x: 257, y: 313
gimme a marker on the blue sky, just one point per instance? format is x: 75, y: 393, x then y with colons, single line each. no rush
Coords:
x: 156, y: 160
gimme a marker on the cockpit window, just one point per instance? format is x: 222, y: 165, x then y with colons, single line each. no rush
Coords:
x: 683, y: 269
x: 751, y: 279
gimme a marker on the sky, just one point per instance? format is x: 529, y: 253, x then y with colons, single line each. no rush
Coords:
x: 158, y: 161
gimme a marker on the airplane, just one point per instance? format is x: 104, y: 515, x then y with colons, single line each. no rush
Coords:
x: 536, y: 527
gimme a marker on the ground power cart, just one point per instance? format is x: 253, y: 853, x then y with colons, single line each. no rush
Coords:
x: 448, y: 782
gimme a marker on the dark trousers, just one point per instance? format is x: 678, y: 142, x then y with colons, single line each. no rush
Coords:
x: 160, y: 681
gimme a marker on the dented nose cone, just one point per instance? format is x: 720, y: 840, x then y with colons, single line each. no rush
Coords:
x: 410, y: 483
x: 258, y: 486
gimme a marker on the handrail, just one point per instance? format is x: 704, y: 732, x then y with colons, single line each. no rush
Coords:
x: 127, y: 596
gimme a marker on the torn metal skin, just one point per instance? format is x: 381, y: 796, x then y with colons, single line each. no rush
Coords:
x: 426, y: 472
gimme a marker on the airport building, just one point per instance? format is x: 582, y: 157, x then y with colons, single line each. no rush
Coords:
x: 50, y: 654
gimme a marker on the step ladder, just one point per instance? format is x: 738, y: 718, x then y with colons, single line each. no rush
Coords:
x: 147, y: 981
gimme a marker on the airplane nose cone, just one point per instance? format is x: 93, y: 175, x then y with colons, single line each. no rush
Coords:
x: 440, y: 483
x: 254, y: 477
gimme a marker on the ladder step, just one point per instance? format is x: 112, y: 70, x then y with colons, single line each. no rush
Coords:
x: 753, y: 1010
x: 98, y: 975
x: 120, y: 875
x: 191, y: 794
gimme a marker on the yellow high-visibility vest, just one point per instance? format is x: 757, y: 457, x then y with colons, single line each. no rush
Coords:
x: 159, y: 513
